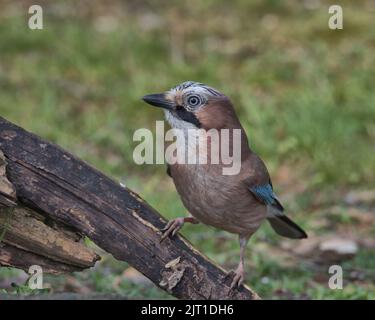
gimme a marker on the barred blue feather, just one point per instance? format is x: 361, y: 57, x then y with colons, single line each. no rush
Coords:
x: 265, y: 194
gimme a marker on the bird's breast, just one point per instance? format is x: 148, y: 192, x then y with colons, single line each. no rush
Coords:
x: 218, y: 200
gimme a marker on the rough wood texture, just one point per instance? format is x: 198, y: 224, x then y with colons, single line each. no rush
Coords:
x: 65, y: 189
x: 27, y: 239
x: 7, y: 191
x: 28, y: 233
x: 11, y: 256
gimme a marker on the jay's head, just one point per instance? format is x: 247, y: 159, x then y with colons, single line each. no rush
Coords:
x: 194, y: 105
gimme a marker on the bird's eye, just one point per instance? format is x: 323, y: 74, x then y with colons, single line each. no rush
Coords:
x: 194, y: 101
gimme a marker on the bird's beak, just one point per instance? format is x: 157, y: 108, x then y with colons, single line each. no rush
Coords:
x: 158, y: 100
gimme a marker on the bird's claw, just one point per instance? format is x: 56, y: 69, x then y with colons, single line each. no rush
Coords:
x: 172, y: 228
x: 229, y: 275
x: 238, y: 279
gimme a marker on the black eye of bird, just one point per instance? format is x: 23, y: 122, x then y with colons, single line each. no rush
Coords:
x: 194, y: 101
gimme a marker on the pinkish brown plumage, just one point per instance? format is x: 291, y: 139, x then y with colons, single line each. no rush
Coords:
x: 237, y: 203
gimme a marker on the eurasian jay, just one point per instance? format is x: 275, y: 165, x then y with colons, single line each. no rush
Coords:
x: 237, y: 203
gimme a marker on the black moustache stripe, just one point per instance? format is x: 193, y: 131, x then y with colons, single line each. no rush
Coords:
x: 188, y: 117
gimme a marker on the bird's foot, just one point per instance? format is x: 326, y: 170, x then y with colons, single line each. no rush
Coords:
x: 172, y: 228
x: 238, y: 277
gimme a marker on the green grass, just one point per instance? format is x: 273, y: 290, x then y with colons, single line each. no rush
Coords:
x: 304, y: 94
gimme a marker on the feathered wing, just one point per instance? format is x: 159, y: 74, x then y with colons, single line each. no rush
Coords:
x: 260, y: 186
x: 275, y: 215
x: 264, y: 193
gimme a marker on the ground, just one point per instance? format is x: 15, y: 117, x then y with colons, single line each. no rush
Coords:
x: 303, y: 92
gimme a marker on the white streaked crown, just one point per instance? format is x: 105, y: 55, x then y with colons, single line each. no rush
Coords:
x: 195, y: 87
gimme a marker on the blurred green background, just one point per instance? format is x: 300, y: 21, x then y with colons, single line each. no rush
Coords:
x: 304, y: 93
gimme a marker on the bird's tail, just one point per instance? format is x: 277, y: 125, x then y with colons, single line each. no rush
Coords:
x: 286, y: 227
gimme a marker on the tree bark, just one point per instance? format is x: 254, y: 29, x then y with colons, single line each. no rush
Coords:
x: 28, y: 238
x: 30, y: 234
x: 67, y: 190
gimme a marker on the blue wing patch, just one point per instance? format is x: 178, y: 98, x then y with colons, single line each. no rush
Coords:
x: 265, y: 194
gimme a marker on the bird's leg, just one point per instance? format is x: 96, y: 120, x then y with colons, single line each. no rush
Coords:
x: 176, y: 224
x: 239, y: 274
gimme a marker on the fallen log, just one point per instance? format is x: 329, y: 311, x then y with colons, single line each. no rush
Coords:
x: 28, y: 238
x: 28, y: 233
x: 67, y: 190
